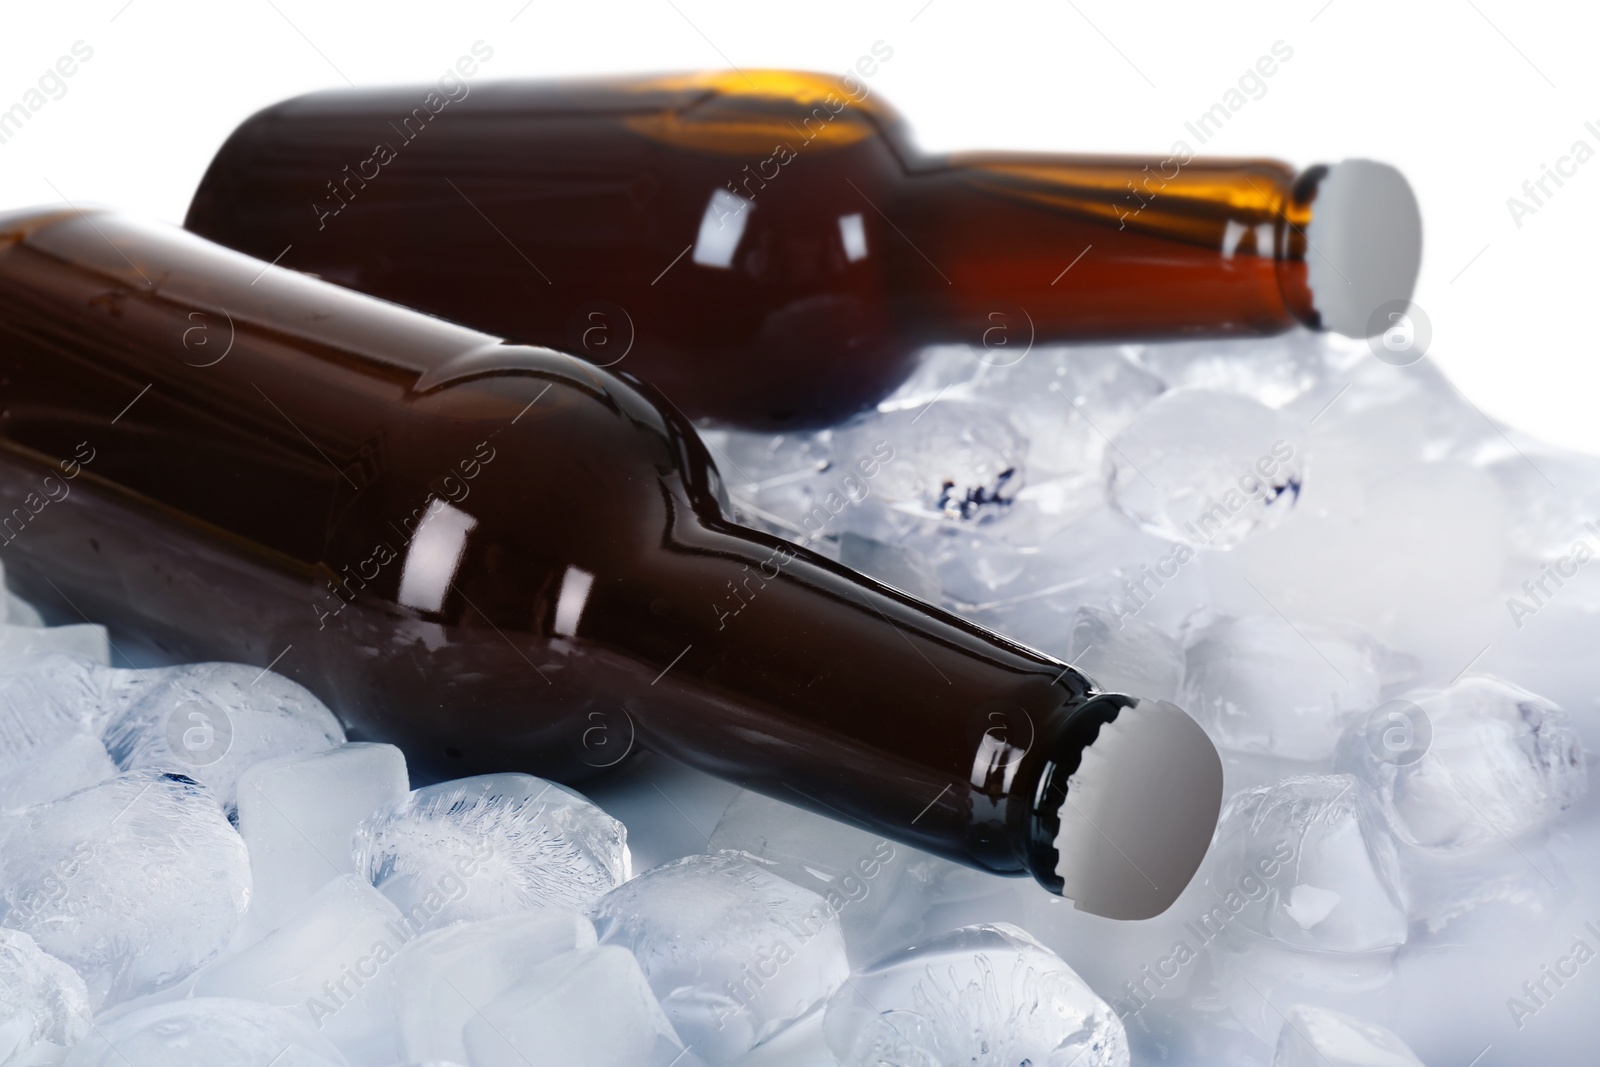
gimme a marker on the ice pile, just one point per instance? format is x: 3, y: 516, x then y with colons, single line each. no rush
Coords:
x: 1378, y: 603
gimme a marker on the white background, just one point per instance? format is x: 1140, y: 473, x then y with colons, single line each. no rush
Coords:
x: 1468, y: 97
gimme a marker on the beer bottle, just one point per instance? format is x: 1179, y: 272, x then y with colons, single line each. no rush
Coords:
x: 766, y: 247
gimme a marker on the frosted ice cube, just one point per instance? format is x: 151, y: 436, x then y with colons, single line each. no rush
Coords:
x: 442, y: 978
x: 1498, y: 762
x: 1407, y: 552
x: 1068, y: 401
x: 956, y: 460
x: 733, y: 952
x: 586, y: 1008
x: 298, y: 815
x: 44, y: 1005
x: 1100, y: 559
x: 476, y: 848
x: 1125, y: 656
x: 1553, y: 497
x: 857, y: 874
x: 212, y: 720
x: 87, y: 640
x: 205, y: 1032
x: 1320, y: 1037
x: 941, y: 370
x: 51, y: 715
x: 1272, y: 370
x: 988, y: 996
x: 1308, y: 862
x: 329, y: 966
x: 1206, y: 468
x: 18, y: 612
x: 1263, y: 684
x: 135, y: 882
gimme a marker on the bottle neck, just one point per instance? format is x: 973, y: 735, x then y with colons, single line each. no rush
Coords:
x: 1006, y: 247
x: 850, y: 698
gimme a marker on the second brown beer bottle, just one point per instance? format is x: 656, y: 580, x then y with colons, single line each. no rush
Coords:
x: 768, y: 249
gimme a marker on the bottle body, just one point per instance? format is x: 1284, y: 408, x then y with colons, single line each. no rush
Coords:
x: 496, y: 556
x: 766, y: 248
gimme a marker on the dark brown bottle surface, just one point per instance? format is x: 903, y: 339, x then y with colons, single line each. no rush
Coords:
x: 498, y: 557
x: 765, y: 247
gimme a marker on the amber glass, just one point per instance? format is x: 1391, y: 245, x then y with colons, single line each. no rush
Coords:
x: 498, y: 557
x: 764, y: 247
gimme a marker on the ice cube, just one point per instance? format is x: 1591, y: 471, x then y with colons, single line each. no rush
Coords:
x: 955, y: 460
x: 1100, y: 559
x: 1125, y: 656
x: 212, y: 720
x: 1262, y: 684
x: 859, y: 875
x: 497, y: 844
x: 441, y: 978
x: 18, y: 612
x: 985, y: 996
x: 87, y: 640
x: 51, y: 714
x: 1307, y: 862
x: 329, y: 965
x: 1068, y: 401
x: 205, y: 1032
x: 1320, y: 1037
x: 1206, y: 468
x: 135, y: 882
x: 733, y: 952
x: 1497, y: 762
x: 1274, y: 371
x: 1412, y: 553
x: 44, y: 1006
x: 586, y: 1008
x: 298, y: 815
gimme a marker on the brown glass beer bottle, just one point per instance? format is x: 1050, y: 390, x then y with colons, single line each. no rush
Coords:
x: 767, y: 249
x: 503, y: 558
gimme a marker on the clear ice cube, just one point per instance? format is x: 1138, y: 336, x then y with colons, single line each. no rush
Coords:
x: 135, y: 882
x: 52, y: 711
x: 955, y: 460
x: 1125, y: 656
x: 734, y: 952
x: 984, y: 996
x: 1274, y: 371
x: 1068, y: 401
x: 329, y: 965
x: 497, y: 844
x: 1313, y: 1036
x: 212, y: 720
x: 859, y: 875
x: 1498, y: 762
x: 205, y: 1032
x: 44, y: 1005
x: 1309, y: 863
x: 1206, y: 468
x: 1263, y: 684
x: 586, y: 1008
x: 298, y: 816
x: 443, y: 977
